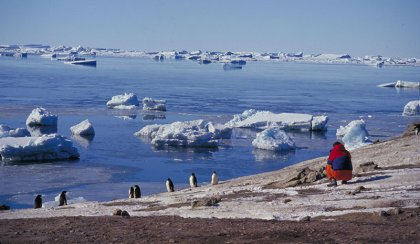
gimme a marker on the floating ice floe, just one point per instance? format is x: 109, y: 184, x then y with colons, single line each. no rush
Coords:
x: 154, y: 104
x: 40, y: 116
x: 124, y: 101
x: 46, y: 147
x: 401, y: 84
x: 412, y: 108
x: 273, y: 139
x: 354, y: 135
x: 6, y: 131
x: 194, y: 133
x: 83, y: 128
x: 286, y: 121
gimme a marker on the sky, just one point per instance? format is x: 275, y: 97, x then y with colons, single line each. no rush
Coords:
x: 357, y: 27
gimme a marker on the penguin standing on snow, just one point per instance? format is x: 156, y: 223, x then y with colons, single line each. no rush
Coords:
x: 214, y: 178
x: 38, y: 202
x: 63, y: 199
x: 170, y: 185
x: 193, y: 180
x: 131, y: 192
x: 137, y: 192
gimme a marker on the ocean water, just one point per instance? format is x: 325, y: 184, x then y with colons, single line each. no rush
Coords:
x: 115, y: 159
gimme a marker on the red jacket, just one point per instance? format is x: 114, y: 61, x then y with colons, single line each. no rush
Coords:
x: 340, y: 158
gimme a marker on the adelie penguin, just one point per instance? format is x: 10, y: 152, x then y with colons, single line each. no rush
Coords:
x: 38, y: 202
x: 214, y: 178
x: 137, y: 193
x: 193, y: 180
x: 131, y: 192
x: 63, y: 198
x: 170, y: 185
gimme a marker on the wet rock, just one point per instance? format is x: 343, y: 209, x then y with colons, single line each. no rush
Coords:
x: 206, y: 202
x: 4, y: 207
x: 305, y: 219
x: 367, y: 167
x: 125, y: 214
x: 383, y: 213
x: 117, y: 212
x: 287, y: 200
x: 395, y: 211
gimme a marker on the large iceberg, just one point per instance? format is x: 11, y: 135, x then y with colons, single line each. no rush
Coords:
x: 40, y: 116
x: 83, y: 128
x: 6, y: 131
x: 124, y: 101
x: 46, y: 147
x: 286, y: 121
x: 273, y: 139
x: 412, y: 108
x: 194, y: 133
x: 154, y: 104
x: 354, y: 135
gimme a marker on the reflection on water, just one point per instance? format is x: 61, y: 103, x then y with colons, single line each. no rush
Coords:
x: 268, y: 155
x: 153, y: 116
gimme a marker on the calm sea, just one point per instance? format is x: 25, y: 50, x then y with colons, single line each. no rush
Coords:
x: 115, y: 159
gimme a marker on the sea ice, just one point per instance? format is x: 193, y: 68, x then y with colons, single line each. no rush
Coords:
x: 401, y: 84
x: 194, y: 133
x: 40, y: 116
x: 46, y: 147
x: 6, y: 131
x: 412, y: 108
x: 354, y: 135
x: 124, y: 101
x: 287, y: 121
x: 153, y: 104
x: 273, y: 139
x: 83, y: 128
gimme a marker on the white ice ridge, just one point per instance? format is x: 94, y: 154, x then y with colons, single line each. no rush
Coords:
x: 46, y: 147
x: 354, y: 135
x: 154, y: 104
x: 287, y: 121
x: 40, y: 116
x: 6, y: 131
x: 83, y: 128
x: 196, y: 133
x: 412, y: 108
x: 123, y: 101
x: 401, y: 84
x: 273, y: 139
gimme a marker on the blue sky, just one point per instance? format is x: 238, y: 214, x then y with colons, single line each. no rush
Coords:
x: 357, y: 27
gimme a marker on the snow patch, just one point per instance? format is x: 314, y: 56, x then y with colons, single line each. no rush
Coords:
x: 273, y: 139
x: 124, y: 101
x: 83, y: 128
x: 40, y: 116
x: 354, y: 135
x: 412, y: 108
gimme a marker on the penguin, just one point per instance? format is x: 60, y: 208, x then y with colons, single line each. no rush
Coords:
x: 63, y: 199
x: 137, y: 193
x: 38, y: 202
x: 170, y: 185
x: 193, y: 180
x: 131, y: 192
x: 214, y: 178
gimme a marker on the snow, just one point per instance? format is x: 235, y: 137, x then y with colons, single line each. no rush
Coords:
x: 354, y: 135
x: 6, y: 131
x: 153, y: 104
x: 287, y: 121
x: 194, y: 133
x: 40, y: 116
x: 220, y: 131
x: 46, y: 147
x: 124, y: 101
x: 83, y: 128
x: 273, y: 139
x: 412, y: 108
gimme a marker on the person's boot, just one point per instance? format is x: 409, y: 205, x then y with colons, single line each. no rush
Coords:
x: 332, y: 183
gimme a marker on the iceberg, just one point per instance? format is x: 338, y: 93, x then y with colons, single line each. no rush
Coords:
x: 46, y: 147
x: 220, y: 131
x: 354, y: 135
x: 287, y: 121
x: 124, y: 101
x: 40, y: 116
x: 6, y: 131
x: 83, y: 128
x: 153, y: 104
x: 273, y: 139
x: 401, y: 84
x: 412, y: 108
x: 194, y: 133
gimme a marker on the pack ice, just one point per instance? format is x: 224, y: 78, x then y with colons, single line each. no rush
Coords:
x: 412, y: 108
x: 273, y: 139
x: 123, y: 101
x: 354, y: 135
x: 6, y: 131
x: 287, y: 121
x: 154, y: 104
x: 40, y: 116
x: 83, y: 128
x: 196, y: 133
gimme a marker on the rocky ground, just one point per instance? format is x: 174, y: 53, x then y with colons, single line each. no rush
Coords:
x: 381, y: 204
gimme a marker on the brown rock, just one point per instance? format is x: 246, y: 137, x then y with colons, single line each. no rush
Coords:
x: 117, y: 212
x: 125, y: 214
x: 367, y: 167
x: 206, y: 202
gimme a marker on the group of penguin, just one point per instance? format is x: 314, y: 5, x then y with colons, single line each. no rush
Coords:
x: 133, y: 192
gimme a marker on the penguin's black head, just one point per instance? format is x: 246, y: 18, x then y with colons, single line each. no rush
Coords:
x: 38, y: 196
x: 169, y: 179
x: 193, y: 174
x: 63, y: 192
x: 136, y: 186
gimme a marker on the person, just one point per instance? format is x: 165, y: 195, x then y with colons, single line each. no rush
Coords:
x: 339, y: 165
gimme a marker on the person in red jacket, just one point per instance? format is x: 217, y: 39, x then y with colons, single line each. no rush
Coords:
x: 339, y: 165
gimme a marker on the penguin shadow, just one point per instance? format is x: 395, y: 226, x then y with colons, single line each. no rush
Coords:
x: 375, y: 178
